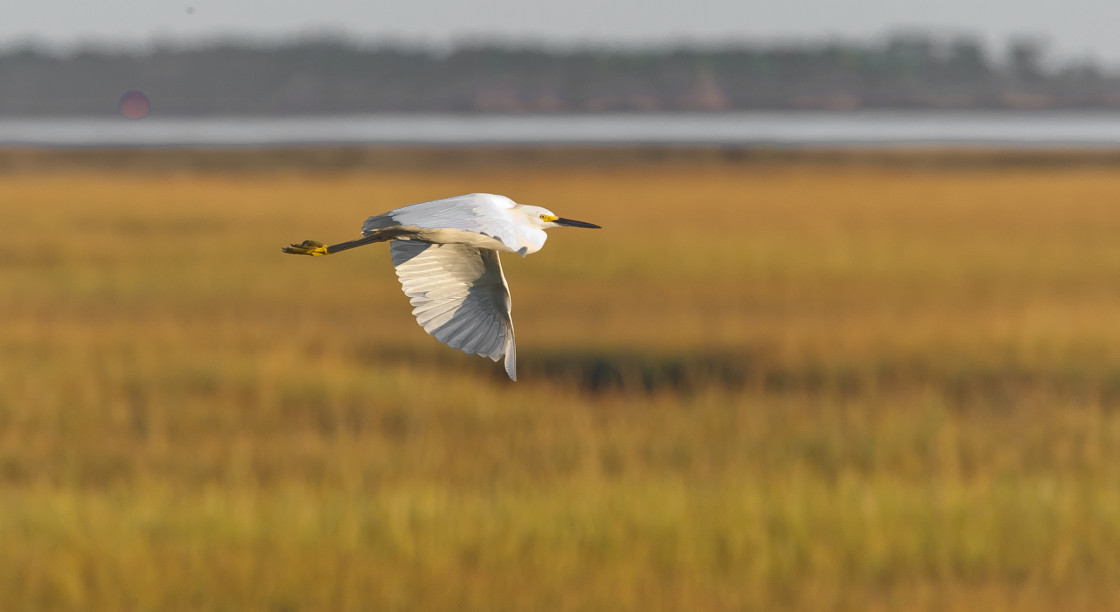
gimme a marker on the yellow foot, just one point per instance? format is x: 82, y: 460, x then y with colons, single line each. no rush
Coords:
x: 307, y: 247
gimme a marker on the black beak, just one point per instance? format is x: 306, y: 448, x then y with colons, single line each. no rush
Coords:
x: 573, y: 223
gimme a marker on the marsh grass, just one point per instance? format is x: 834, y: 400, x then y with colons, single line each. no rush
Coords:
x: 765, y: 384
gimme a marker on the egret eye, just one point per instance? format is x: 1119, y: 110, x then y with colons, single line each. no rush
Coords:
x: 544, y: 217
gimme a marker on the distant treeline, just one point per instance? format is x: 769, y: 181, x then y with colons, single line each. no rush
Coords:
x: 916, y: 70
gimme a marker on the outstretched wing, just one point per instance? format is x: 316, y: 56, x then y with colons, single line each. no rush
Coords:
x: 459, y: 295
x: 481, y: 213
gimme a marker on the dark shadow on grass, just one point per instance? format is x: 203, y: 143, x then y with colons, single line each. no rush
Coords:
x: 995, y: 383
x: 605, y: 371
x: 593, y: 371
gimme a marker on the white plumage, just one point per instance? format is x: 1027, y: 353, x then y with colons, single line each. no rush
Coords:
x: 459, y: 295
x: 446, y: 256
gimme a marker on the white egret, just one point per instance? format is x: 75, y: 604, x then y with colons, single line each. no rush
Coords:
x: 446, y: 256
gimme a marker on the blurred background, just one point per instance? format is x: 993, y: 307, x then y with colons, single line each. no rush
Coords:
x: 847, y: 339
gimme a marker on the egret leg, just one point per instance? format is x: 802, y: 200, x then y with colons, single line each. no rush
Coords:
x: 311, y: 247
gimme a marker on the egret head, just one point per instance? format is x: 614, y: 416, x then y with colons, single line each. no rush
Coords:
x: 544, y: 219
x: 530, y: 223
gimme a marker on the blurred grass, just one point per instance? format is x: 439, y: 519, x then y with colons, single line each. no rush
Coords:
x: 811, y: 382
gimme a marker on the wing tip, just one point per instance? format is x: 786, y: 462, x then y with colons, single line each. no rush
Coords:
x: 511, y: 358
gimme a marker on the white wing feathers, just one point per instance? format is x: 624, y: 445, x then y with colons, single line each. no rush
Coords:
x: 481, y: 213
x: 459, y: 295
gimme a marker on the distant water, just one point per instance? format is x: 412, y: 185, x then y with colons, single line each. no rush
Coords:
x: 787, y: 128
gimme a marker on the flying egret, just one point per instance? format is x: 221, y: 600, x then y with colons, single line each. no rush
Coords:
x: 446, y: 256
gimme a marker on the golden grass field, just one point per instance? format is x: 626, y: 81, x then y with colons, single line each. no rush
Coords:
x: 770, y: 382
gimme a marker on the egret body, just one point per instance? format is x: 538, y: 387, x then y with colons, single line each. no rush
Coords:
x: 446, y: 256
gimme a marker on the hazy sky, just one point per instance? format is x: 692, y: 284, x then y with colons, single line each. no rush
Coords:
x: 1074, y: 28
